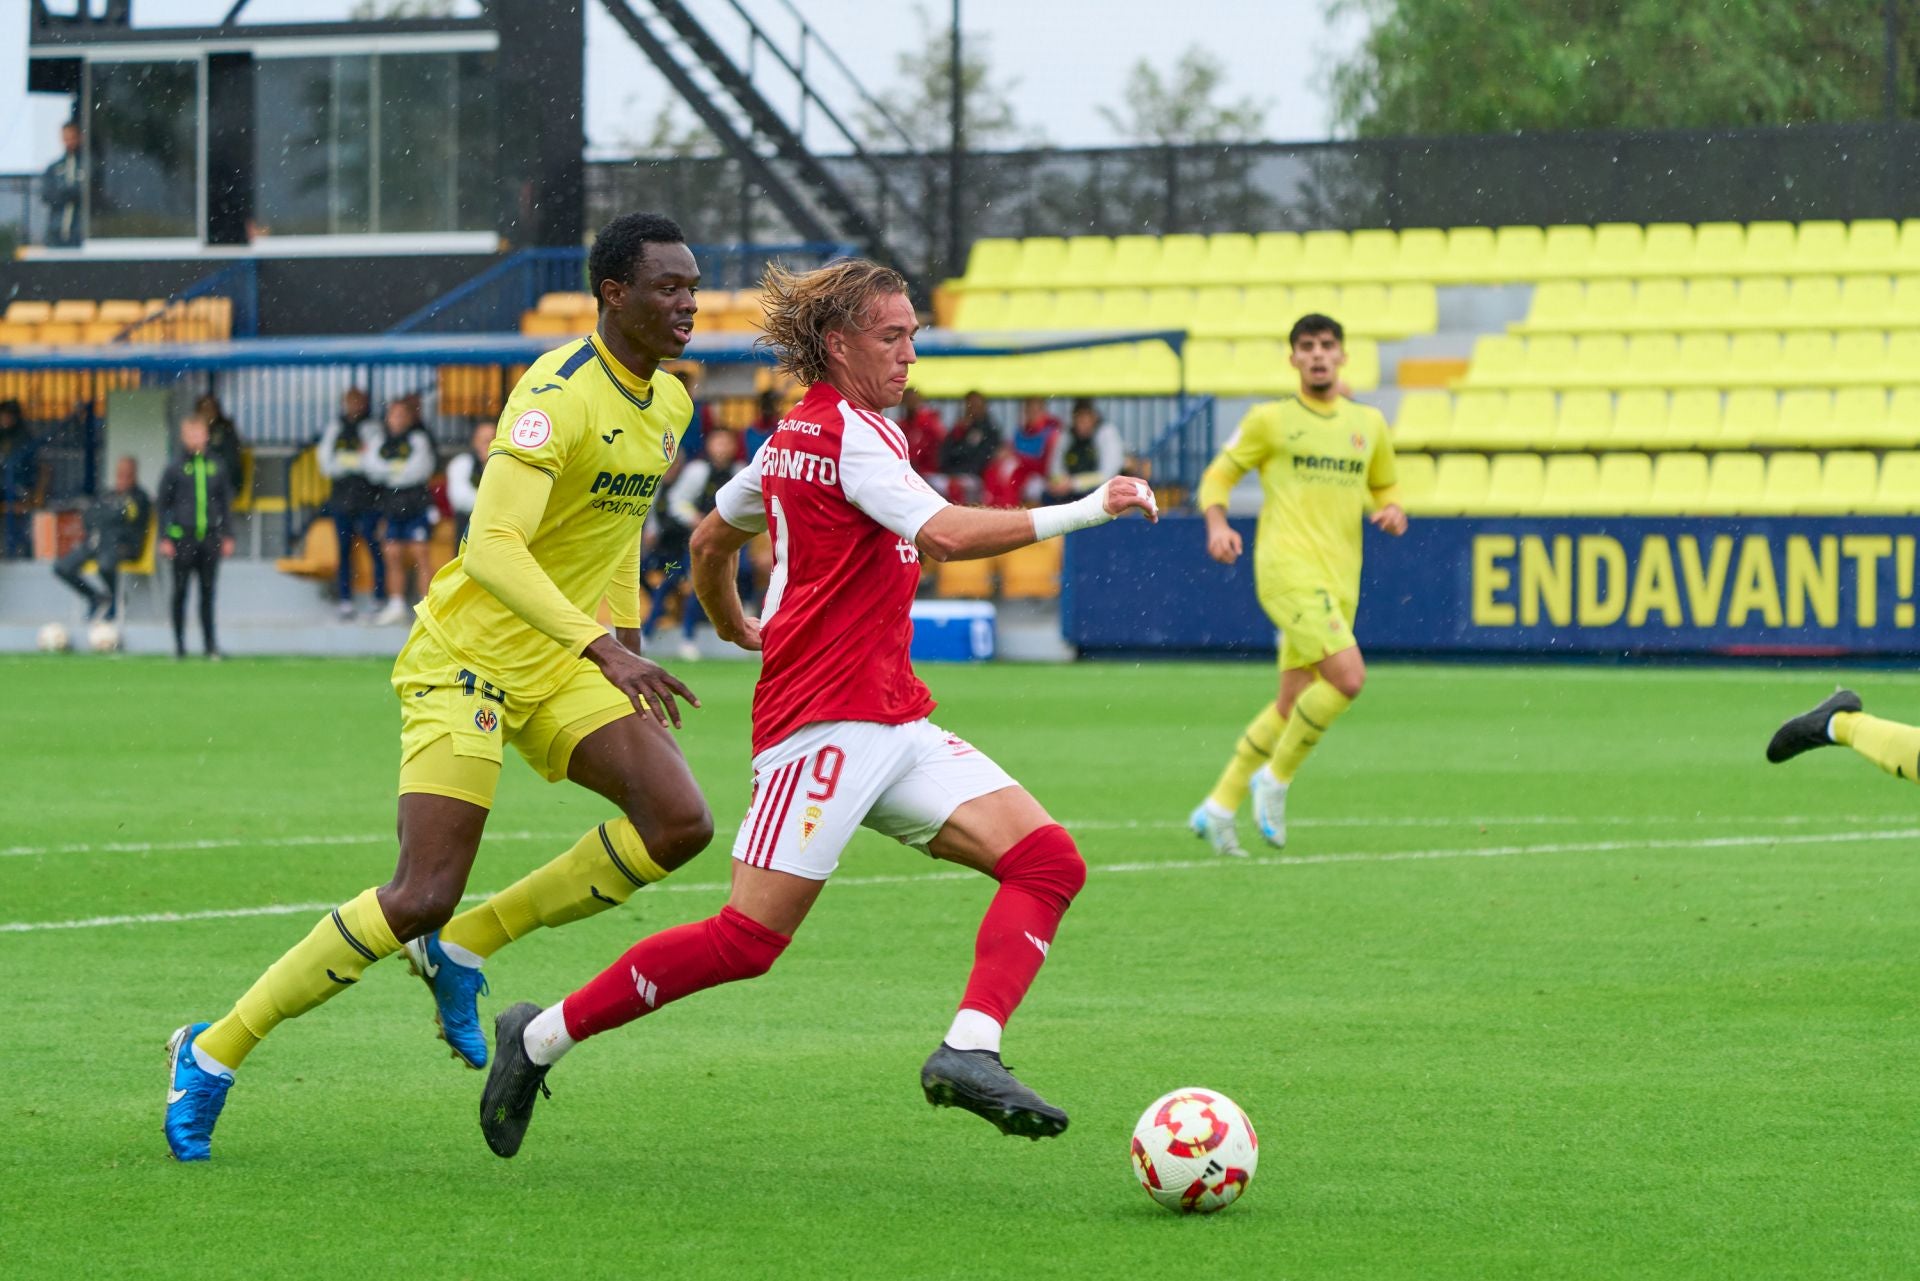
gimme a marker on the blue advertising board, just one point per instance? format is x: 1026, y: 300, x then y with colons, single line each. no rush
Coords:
x: 1773, y: 586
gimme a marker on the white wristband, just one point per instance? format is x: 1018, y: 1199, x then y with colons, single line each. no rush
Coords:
x: 1081, y: 513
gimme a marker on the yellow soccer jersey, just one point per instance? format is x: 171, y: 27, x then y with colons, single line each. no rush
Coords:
x: 1320, y: 469
x: 605, y: 438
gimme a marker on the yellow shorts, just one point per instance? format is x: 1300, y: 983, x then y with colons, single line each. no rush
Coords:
x: 454, y: 723
x: 1313, y: 623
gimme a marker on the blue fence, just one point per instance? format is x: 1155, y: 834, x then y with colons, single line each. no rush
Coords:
x: 1760, y: 587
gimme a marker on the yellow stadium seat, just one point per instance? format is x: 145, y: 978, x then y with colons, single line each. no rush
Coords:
x: 1806, y: 420
x: 1088, y: 262
x: 1907, y: 257
x: 1792, y: 484
x: 965, y: 579
x: 1425, y: 420
x: 1661, y: 304
x: 1848, y: 481
x: 1552, y: 360
x: 993, y: 263
x: 27, y: 312
x: 1321, y: 298
x: 1497, y: 360
x: 1031, y: 572
x: 1668, y: 250
x: 1412, y: 309
x: 1866, y: 302
x: 1459, y: 485
x: 1571, y: 485
x: 1719, y: 249
x: 1873, y: 245
x: 1476, y: 419
x: 1903, y: 418
x: 121, y: 311
x: 1324, y: 256
x: 1695, y: 420
x: 1260, y: 368
x: 1609, y: 304
x: 96, y: 332
x: 981, y: 311
x: 1220, y: 311
x: 1422, y: 255
x: 1752, y: 414
x: 1813, y: 302
x: 1518, y: 253
x: 1764, y: 302
x: 1557, y: 306
x: 1042, y: 259
x: 572, y: 302
x: 1860, y: 356
x: 1769, y: 248
x: 1713, y: 302
x: 1229, y: 260
x: 1651, y: 360
x: 1640, y: 419
x: 1902, y: 360
x: 1469, y: 257
x: 1136, y: 260
x: 1526, y: 421
x: 1806, y: 358
x: 1585, y: 420
x: 12, y: 335
x: 1121, y: 309
x: 1618, y: 248
x: 1753, y: 358
x: 1363, y: 309
x: 1372, y: 255
x: 1209, y: 363
x: 1182, y: 260
x: 1679, y: 485
x: 1168, y: 307
x: 1514, y: 482
x: 1597, y: 360
x: 1860, y: 418
x: 1363, y: 364
x: 75, y: 311
x: 1624, y: 486
x: 947, y: 377
x: 1146, y: 369
x: 535, y: 325
x: 1075, y: 309
x: 1899, y: 490
x: 1275, y: 259
x: 1735, y: 482
x: 1416, y: 481
x: 1568, y: 252
x: 1267, y: 311
x: 1820, y: 247
x: 1029, y: 309
x: 56, y: 333
x: 1702, y: 361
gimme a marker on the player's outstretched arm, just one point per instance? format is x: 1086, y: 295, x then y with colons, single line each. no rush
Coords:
x: 971, y: 533
x: 715, y: 548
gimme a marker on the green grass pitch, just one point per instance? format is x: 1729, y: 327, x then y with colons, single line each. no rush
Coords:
x: 1556, y: 979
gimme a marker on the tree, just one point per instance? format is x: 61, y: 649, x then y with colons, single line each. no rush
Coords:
x: 920, y: 101
x: 1481, y: 66
x: 1181, y: 108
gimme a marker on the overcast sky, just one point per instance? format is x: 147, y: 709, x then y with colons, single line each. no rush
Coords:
x: 1064, y: 58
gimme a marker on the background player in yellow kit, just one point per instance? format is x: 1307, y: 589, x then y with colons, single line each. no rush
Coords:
x: 506, y: 649
x: 1323, y: 460
x: 1893, y: 746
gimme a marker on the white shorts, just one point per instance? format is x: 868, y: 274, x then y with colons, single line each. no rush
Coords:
x: 814, y: 787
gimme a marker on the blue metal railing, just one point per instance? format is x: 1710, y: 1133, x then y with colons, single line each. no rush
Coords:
x: 1184, y: 448
x: 493, y: 301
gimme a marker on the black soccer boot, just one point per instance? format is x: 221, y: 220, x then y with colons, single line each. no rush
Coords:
x: 977, y: 1081
x: 513, y: 1084
x: 1809, y: 729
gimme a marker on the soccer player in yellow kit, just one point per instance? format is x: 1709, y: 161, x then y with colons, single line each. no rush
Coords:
x: 506, y: 649
x: 1891, y: 745
x: 1323, y: 460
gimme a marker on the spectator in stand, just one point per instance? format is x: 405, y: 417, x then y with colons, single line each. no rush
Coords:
x: 223, y: 439
x: 116, y: 532
x: 61, y: 187
x: 1004, y: 482
x: 760, y: 430
x: 195, y: 501
x: 968, y: 448
x: 689, y: 500
x: 1087, y: 455
x: 24, y: 474
x: 400, y: 462
x: 463, y: 479
x: 354, y: 503
x: 1034, y: 442
x: 921, y: 425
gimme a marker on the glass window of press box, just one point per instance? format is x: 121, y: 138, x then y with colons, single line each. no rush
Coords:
x: 373, y: 143
x: 143, y: 143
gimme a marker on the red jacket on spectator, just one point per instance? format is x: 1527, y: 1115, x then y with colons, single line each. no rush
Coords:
x: 1004, y: 481
x: 924, y: 432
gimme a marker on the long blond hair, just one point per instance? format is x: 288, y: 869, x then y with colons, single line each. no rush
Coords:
x: 804, y: 307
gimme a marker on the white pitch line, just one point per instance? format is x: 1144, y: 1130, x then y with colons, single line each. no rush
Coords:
x: 1098, y: 869
x: 211, y: 844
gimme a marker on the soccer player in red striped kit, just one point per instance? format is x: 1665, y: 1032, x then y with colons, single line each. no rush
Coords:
x: 841, y: 737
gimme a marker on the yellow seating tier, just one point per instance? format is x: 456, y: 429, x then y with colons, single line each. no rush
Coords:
x: 1746, y: 358
x: 563, y: 315
x: 86, y: 322
x: 1655, y: 419
x: 1214, y: 311
x: 1462, y: 255
x: 1248, y: 367
x: 1723, y: 303
x: 1789, y: 483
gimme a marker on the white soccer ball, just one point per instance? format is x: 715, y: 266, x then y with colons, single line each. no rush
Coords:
x: 54, y: 639
x: 103, y: 638
x: 1194, y: 1150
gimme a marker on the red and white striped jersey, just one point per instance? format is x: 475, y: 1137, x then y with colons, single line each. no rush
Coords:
x: 834, y: 487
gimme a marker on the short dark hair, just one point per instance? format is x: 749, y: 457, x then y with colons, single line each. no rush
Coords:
x: 1315, y: 323
x: 618, y: 248
x: 1086, y: 403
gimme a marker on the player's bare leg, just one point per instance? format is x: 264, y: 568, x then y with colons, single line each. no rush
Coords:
x: 1313, y: 698
x: 1009, y: 836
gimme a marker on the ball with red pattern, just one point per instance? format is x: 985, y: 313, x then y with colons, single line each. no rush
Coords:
x: 1194, y: 1150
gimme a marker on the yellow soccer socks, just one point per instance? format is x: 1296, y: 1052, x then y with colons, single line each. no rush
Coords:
x: 329, y: 959
x: 602, y: 870
x: 1314, y: 713
x: 1892, y: 746
x: 1256, y: 745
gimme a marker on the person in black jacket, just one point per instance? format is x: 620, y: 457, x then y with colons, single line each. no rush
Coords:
x: 60, y: 188
x: 968, y: 448
x: 195, y: 500
x: 116, y: 525
x: 223, y: 439
x: 354, y: 503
